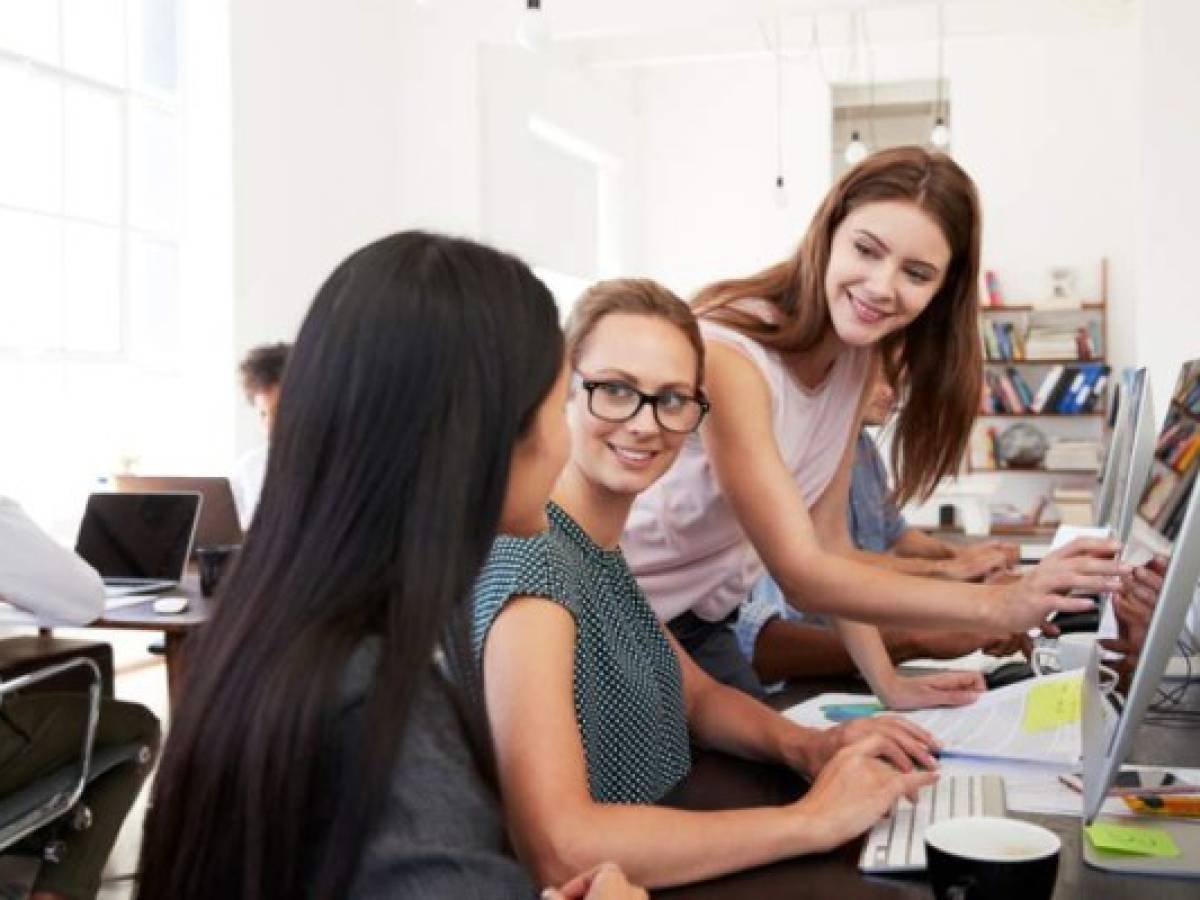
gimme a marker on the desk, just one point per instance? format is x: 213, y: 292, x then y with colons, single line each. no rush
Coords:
x: 142, y: 617
x: 721, y: 782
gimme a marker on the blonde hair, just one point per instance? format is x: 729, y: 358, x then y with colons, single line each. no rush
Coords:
x: 634, y: 297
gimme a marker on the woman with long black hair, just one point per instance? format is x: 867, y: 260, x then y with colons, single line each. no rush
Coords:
x: 331, y: 742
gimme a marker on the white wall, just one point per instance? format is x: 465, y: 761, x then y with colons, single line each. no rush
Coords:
x: 355, y: 120
x: 560, y: 162
x: 1046, y: 124
x: 1168, y: 311
x: 316, y: 166
x: 709, y: 164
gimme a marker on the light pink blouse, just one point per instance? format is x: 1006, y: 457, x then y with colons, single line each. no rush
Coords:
x: 683, y: 541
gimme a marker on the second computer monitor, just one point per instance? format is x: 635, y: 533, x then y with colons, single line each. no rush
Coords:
x: 1130, y: 450
x: 1167, y: 525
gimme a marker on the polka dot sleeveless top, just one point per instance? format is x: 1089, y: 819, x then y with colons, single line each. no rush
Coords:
x: 627, y: 682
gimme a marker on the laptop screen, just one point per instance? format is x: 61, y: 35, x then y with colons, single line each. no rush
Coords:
x: 138, y: 535
x: 218, y: 525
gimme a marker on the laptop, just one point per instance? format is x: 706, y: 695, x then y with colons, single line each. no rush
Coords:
x: 218, y: 525
x: 139, y: 543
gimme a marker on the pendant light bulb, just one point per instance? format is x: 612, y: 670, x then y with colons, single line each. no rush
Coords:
x: 781, y: 194
x: 533, y: 33
x: 940, y: 135
x: 856, y: 150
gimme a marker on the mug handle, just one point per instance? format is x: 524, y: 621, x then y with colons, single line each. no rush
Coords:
x: 1042, y: 668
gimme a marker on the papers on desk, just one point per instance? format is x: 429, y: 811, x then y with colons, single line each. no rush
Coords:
x: 111, y: 603
x: 1036, y: 720
x: 1028, y: 733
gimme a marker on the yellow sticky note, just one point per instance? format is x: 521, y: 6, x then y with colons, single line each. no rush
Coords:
x: 1051, y: 704
x: 1135, y: 839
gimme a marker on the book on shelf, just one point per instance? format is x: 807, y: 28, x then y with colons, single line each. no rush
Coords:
x: 1187, y: 392
x: 1002, y: 341
x: 1048, y: 341
x: 1065, y: 390
x: 1021, y: 386
x: 1179, y: 442
x: 1074, y: 505
x: 983, y: 449
x: 1042, y: 397
x: 1073, y: 454
x: 1076, y: 389
x: 1162, y: 485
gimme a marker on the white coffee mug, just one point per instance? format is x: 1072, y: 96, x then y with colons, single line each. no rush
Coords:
x: 1070, y: 651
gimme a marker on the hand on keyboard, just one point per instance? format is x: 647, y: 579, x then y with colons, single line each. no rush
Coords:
x: 904, y: 744
x: 855, y: 788
x: 897, y: 842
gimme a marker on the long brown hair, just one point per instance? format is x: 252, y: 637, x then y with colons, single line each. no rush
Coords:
x: 935, y: 363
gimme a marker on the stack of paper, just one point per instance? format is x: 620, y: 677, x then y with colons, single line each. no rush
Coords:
x: 1036, y: 721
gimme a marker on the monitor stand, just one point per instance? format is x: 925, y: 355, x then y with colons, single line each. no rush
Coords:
x: 1187, y: 837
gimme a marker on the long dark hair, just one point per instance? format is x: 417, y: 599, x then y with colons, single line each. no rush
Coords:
x: 936, y: 362
x: 421, y: 362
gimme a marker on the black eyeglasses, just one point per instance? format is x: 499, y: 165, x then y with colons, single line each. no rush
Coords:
x: 620, y: 401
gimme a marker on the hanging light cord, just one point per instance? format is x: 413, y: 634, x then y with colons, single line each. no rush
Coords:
x: 939, y: 113
x: 869, y: 64
x: 778, y: 103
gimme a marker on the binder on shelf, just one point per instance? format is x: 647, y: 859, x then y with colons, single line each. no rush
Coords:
x: 1063, y: 385
x: 1046, y: 388
x: 1021, y: 386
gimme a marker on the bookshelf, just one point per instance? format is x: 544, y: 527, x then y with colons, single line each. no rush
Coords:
x: 1045, y: 363
x: 1176, y: 457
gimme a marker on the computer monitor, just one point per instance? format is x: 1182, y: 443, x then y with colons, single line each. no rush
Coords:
x: 1130, y: 445
x: 1167, y: 523
x: 1122, y: 418
x: 1133, y: 463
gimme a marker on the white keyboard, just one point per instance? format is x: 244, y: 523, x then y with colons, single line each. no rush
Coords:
x: 1034, y: 553
x: 897, y: 842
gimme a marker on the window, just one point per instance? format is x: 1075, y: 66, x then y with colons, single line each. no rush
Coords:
x: 89, y: 178
x: 98, y: 353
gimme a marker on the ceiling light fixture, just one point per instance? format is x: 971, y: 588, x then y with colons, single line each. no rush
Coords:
x: 533, y: 32
x: 939, y: 135
x: 781, y: 193
x: 856, y: 150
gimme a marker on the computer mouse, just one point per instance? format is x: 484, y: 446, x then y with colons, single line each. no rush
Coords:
x: 170, y: 605
x: 1009, y: 673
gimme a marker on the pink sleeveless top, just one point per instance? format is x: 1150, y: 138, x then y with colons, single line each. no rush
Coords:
x: 682, y: 540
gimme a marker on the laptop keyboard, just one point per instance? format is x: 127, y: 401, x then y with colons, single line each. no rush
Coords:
x: 897, y: 842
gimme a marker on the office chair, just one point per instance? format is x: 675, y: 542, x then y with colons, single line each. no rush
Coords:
x: 50, y: 798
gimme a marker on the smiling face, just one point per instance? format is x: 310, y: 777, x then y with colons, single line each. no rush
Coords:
x: 887, y: 260
x: 653, y: 356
